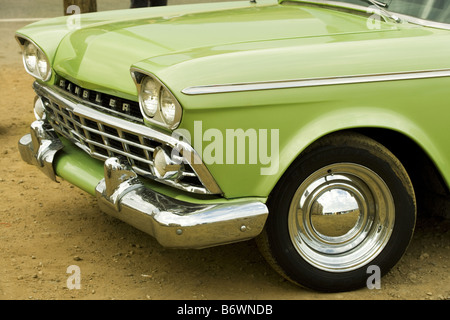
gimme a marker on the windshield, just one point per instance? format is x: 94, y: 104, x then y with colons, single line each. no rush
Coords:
x: 433, y: 10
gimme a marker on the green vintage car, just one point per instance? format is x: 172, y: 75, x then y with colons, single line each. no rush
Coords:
x: 315, y: 127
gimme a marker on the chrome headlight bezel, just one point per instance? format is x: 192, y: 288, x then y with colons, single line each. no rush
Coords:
x: 40, y: 68
x: 168, y: 111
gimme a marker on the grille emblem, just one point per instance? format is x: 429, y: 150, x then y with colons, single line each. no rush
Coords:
x: 106, y: 101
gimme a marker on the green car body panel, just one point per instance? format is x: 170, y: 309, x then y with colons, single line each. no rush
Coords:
x: 205, y: 44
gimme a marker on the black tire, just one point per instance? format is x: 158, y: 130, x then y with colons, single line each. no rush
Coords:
x: 379, y: 227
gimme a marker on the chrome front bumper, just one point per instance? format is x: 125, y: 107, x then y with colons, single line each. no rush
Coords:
x: 174, y: 223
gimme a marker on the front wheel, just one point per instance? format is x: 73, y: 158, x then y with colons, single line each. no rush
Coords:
x: 345, y: 204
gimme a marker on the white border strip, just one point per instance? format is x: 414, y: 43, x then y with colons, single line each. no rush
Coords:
x: 314, y: 82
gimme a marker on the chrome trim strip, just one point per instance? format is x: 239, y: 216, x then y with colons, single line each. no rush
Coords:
x: 315, y: 82
x: 181, y: 147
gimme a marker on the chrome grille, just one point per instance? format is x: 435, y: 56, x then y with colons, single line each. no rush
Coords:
x: 103, y: 101
x: 102, y: 141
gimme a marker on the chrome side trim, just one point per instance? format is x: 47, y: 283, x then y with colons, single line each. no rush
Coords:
x: 315, y: 82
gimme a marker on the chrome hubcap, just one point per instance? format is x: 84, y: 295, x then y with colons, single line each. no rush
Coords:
x: 341, y: 217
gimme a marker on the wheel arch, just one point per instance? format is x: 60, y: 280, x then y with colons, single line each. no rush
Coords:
x: 429, y: 183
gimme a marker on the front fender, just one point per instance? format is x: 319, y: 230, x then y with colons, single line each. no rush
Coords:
x: 293, y: 119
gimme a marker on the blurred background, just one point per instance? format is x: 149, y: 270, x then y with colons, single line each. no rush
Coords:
x: 15, y: 9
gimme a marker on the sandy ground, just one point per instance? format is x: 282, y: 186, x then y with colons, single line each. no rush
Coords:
x: 46, y: 227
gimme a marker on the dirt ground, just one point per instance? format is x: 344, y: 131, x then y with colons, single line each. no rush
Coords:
x: 45, y: 227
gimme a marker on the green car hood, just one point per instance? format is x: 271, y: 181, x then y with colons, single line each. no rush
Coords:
x: 207, y: 44
x: 100, y: 55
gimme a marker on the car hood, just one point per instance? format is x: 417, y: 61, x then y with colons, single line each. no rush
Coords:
x: 100, y: 54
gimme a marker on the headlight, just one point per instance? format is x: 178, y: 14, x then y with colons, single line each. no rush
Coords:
x: 30, y: 53
x: 35, y: 60
x: 158, y: 104
x: 149, y: 97
x: 43, y: 67
x: 168, y: 107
